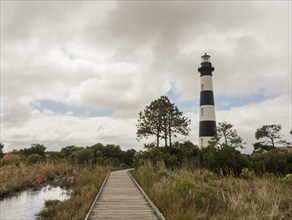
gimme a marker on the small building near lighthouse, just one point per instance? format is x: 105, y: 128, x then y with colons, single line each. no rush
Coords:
x: 207, y: 126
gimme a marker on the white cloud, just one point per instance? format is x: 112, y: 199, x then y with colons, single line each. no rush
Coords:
x: 122, y: 55
x: 17, y: 115
x: 56, y: 131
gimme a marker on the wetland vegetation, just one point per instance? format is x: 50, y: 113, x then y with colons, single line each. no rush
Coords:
x: 203, y: 194
x: 81, y: 170
x: 184, y: 181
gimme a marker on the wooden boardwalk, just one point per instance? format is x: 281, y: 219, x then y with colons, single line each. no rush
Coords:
x: 120, y: 198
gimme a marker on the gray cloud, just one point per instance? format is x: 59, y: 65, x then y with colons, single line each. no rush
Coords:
x: 121, y: 55
x: 16, y: 116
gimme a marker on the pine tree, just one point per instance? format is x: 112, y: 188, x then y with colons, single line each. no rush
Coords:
x: 163, y: 120
x: 269, y: 136
x: 226, y: 136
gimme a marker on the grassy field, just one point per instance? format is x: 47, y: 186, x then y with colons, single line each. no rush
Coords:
x: 181, y: 194
x: 178, y: 194
x: 83, y: 180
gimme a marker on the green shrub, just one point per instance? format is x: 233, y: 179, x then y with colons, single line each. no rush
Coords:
x: 162, y: 173
x: 270, y: 176
x: 206, y: 198
x: 247, y: 174
x: 10, y: 158
x: 38, y: 149
x: 185, y: 188
x: 288, y: 179
x: 34, y: 158
x: 208, y: 176
x: 200, y: 197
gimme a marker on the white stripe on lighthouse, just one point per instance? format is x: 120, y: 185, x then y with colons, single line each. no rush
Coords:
x: 206, y: 83
x: 207, y: 113
x: 204, y: 141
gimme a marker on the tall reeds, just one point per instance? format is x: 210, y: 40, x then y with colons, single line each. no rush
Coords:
x: 15, y: 177
x: 83, y: 180
x: 86, y: 186
x: 201, y: 194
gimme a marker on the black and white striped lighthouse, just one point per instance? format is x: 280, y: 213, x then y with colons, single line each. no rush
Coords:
x: 207, y: 128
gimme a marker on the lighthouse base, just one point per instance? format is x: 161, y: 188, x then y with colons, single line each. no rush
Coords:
x: 204, y: 141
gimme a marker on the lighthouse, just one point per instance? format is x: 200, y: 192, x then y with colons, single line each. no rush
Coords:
x: 207, y: 127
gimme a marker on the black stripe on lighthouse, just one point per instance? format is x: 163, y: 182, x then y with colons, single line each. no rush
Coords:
x: 207, y: 129
x: 206, y: 70
x: 206, y: 98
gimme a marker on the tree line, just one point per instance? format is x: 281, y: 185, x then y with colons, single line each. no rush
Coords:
x: 162, y: 121
x: 223, y: 160
x: 105, y: 155
x: 222, y: 153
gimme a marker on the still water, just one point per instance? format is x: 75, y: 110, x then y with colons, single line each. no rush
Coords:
x: 26, y: 204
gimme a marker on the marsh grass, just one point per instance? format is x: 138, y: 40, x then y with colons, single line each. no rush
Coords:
x: 88, y: 182
x: 83, y: 180
x: 201, y: 194
x: 15, y: 177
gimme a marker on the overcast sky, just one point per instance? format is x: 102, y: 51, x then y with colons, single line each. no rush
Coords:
x: 79, y: 72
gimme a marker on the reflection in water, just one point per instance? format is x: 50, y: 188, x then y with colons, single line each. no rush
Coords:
x: 26, y: 204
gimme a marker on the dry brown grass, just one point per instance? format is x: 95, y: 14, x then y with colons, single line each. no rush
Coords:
x: 17, y: 177
x: 83, y: 180
x: 88, y: 182
x: 10, y: 158
x: 201, y: 194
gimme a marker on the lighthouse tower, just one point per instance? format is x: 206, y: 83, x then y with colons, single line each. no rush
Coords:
x: 207, y: 128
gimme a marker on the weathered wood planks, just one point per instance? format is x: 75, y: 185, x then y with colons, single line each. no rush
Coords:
x: 121, y: 199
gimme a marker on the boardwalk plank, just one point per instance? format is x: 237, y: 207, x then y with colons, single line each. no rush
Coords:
x: 121, y: 199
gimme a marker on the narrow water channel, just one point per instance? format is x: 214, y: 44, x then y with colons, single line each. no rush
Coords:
x: 26, y: 204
